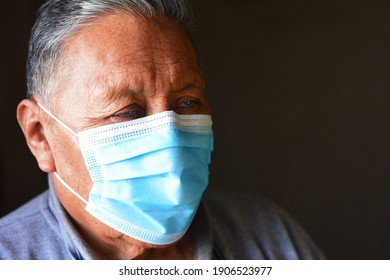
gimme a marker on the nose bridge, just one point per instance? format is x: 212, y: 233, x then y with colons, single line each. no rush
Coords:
x: 157, y: 104
x: 159, y: 90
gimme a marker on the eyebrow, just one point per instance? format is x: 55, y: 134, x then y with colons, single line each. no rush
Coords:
x: 187, y: 87
x: 105, y: 100
x: 112, y: 93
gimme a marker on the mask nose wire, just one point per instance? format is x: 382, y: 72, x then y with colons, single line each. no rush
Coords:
x: 57, y: 119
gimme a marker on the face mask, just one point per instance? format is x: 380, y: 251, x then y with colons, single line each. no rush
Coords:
x: 148, y: 174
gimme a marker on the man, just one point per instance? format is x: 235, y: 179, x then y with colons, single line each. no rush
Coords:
x: 116, y: 115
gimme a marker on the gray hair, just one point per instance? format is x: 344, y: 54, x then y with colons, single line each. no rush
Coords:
x: 57, y: 20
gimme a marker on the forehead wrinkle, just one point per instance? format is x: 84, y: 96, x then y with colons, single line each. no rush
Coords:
x: 106, y: 84
x: 162, y: 71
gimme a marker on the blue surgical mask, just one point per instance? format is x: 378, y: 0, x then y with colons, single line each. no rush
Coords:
x: 148, y: 174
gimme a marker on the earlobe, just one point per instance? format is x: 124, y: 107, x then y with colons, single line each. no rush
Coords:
x: 30, y: 120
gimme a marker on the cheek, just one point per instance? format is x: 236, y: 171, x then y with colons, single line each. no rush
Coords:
x: 70, y: 165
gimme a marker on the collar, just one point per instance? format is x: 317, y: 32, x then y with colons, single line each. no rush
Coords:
x: 74, y: 242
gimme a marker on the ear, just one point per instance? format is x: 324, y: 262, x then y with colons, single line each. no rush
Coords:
x: 30, y: 120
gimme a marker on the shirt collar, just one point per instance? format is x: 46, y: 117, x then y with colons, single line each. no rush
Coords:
x: 74, y: 242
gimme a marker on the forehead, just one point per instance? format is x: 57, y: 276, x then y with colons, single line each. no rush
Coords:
x: 124, y: 37
x: 115, y: 48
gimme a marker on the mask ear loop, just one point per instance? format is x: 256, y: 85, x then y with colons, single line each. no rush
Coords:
x: 55, y: 173
x: 69, y: 188
x: 57, y: 119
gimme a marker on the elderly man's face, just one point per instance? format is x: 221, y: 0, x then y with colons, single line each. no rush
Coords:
x: 120, y: 68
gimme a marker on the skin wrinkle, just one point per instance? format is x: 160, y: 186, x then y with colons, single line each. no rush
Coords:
x: 114, y: 63
x: 151, y: 66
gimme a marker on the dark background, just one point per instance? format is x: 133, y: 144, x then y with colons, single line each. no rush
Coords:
x: 300, y: 92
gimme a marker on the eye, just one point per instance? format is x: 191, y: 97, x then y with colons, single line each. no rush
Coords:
x: 190, y: 103
x: 128, y: 114
x: 187, y: 105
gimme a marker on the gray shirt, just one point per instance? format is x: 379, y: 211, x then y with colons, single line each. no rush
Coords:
x: 226, y: 226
